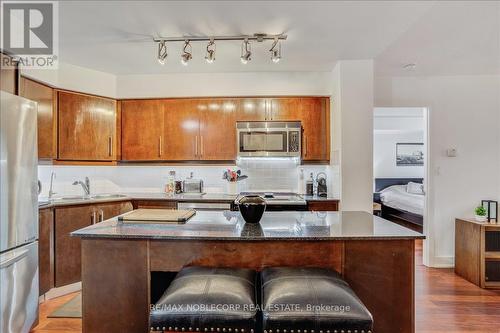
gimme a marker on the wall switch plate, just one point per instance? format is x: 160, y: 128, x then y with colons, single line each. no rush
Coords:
x: 451, y: 152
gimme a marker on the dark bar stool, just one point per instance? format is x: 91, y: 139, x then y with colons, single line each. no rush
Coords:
x: 311, y: 300
x: 202, y: 299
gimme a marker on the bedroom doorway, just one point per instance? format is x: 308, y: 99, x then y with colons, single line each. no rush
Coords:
x: 400, y: 163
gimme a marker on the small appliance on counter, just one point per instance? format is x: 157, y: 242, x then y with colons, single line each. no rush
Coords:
x: 310, y: 185
x: 191, y: 185
x: 251, y: 207
x: 322, y: 189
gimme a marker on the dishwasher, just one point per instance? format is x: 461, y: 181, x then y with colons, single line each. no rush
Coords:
x: 204, y: 206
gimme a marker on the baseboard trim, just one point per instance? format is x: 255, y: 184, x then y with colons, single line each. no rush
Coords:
x: 443, y: 262
x: 61, y: 291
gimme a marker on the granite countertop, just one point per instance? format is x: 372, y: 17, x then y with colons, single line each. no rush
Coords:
x: 183, y: 197
x: 191, y: 197
x: 228, y: 225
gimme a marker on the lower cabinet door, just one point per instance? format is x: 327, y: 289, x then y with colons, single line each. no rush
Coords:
x: 46, y: 250
x: 112, y: 209
x: 67, y: 248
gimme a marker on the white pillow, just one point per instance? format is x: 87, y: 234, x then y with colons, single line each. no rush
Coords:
x: 415, y: 188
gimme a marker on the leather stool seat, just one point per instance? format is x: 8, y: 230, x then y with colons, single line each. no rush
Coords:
x: 310, y: 300
x: 202, y: 299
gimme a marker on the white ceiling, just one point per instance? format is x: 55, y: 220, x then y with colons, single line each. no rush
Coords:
x: 116, y: 36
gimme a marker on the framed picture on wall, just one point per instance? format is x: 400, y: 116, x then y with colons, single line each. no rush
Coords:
x: 409, y: 154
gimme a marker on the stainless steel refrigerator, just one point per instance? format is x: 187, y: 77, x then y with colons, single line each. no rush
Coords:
x: 18, y: 214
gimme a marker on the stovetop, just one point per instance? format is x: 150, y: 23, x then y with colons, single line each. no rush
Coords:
x: 278, y: 198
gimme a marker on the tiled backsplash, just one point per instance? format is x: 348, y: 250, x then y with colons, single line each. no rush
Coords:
x: 273, y: 175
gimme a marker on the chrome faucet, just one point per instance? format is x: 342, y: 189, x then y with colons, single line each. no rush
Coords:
x: 85, y: 185
x: 51, y: 189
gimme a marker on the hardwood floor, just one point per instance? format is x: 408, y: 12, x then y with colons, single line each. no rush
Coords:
x: 57, y: 325
x: 444, y: 303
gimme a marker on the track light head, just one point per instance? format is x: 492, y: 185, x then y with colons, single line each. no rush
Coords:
x: 276, y: 51
x: 186, y: 53
x: 210, y: 57
x: 246, y: 52
x: 162, y: 52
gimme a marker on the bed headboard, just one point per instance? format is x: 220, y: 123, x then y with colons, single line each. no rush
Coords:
x: 381, y: 183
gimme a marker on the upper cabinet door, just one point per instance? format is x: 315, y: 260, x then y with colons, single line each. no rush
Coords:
x: 316, y: 124
x: 142, y: 130
x: 181, y: 130
x: 253, y: 109
x: 217, y: 129
x: 43, y: 95
x: 285, y: 109
x: 8, y: 75
x: 86, y: 127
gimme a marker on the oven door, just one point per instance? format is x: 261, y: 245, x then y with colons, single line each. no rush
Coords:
x: 263, y: 143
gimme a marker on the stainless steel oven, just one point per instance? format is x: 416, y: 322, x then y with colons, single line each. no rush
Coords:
x: 269, y: 138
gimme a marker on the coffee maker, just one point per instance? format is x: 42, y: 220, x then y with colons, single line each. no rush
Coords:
x: 322, y: 189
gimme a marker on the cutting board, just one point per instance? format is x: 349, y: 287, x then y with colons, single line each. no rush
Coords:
x: 157, y: 216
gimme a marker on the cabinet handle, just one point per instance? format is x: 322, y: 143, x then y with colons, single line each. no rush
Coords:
x: 201, y: 145
x: 94, y: 217
x: 196, y: 146
x: 101, y: 215
x: 110, y: 146
x: 160, y: 146
x: 305, y: 145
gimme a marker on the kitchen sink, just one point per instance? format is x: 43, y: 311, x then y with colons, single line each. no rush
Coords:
x: 108, y: 196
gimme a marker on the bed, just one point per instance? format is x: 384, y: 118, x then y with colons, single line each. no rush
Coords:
x: 397, y: 204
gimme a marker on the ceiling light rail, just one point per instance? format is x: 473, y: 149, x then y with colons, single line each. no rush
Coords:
x: 246, y: 49
x: 254, y: 37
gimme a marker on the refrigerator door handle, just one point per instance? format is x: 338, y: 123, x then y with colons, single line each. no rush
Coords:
x: 11, y: 261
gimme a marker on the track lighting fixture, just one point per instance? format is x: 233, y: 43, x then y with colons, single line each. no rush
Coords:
x: 276, y: 51
x: 246, y: 48
x: 210, y: 57
x: 162, y: 52
x: 186, y: 53
x: 246, y: 52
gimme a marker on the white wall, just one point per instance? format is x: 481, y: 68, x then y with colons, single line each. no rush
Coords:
x: 224, y: 84
x: 76, y: 78
x: 464, y: 113
x: 352, y: 94
x: 262, y: 176
x: 392, y: 126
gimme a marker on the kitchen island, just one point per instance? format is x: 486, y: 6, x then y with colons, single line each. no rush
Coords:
x: 375, y: 256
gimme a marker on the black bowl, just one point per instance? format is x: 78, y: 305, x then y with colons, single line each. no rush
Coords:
x: 252, y: 207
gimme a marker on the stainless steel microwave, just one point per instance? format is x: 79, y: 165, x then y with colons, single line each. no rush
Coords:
x: 269, y: 138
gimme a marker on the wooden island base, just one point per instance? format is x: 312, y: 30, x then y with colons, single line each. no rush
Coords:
x: 116, y: 274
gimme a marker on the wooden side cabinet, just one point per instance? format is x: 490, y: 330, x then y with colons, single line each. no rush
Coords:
x: 477, y: 252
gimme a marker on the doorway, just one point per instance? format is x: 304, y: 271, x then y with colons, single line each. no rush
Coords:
x: 400, y: 167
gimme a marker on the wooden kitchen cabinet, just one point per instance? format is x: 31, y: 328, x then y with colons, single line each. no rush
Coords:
x: 45, y: 250
x: 252, y: 109
x: 112, y: 209
x: 67, y: 248
x: 285, y: 109
x: 9, y: 76
x: 43, y: 95
x: 314, y: 114
x: 86, y: 127
x: 181, y: 129
x: 217, y: 129
x: 142, y: 130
